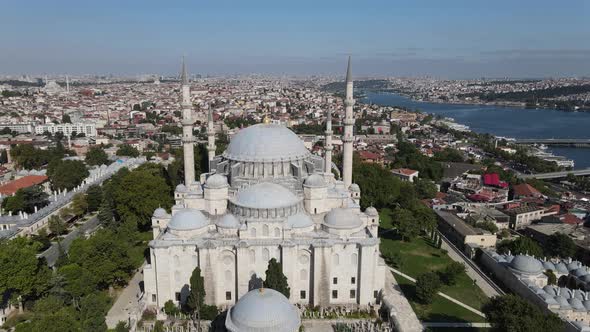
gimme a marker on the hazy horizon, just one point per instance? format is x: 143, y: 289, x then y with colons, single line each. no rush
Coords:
x: 451, y: 39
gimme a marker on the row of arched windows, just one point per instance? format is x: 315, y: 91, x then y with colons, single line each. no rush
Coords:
x: 265, y: 231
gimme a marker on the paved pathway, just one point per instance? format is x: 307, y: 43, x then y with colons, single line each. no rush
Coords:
x: 127, y: 304
x: 475, y: 311
x: 52, y: 253
x: 484, y: 282
x: 401, y: 313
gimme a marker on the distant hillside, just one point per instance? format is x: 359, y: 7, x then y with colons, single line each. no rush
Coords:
x: 339, y: 87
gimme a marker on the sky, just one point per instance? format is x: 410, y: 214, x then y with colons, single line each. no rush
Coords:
x: 438, y: 38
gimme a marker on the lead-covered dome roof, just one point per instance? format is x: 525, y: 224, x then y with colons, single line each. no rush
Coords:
x: 216, y: 181
x: 266, y: 142
x: 263, y: 310
x: 228, y: 221
x: 188, y: 219
x: 526, y: 265
x: 342, y: 218
x: 265, y: 195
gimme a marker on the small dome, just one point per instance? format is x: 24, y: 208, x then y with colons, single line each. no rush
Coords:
x: 586, y: 304
x: 355, y: 188
x: 181, y: 188
x: 526, y: 265
x: 578, y: 294
x: 586, y: 278
x: 216, y: 181
x: 548, y: 299
x: 314, y: 180
x: 562, y: 302
x: 551, y: 290
x: 263, y: 310
x: 188, y: 219
x: 580, y: 272
x: 265, y: 195
x: 576, y: 304
x: 508, y: 258
x: 160, y: 213
x: 573, y: 265
x: 228, y: 221
x: 299, y: 220
x: 547, y: 265
x: 561, y: 268
x: 342, y: 218
x: 265, y: 143
x: 371, y: 211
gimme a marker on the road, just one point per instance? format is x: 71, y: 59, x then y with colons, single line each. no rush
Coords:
x: 52, y: 254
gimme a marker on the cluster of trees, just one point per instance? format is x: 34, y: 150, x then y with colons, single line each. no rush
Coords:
x: 96, y: 156
x: 513, y: 313
x: 557, y: 245
x: 66, y: 174
x: 128, y: 151
x: 428, y: 284
x: 408, y: 156
x: 312, y: 129
x: 25, y: 200
x: 26, y: 156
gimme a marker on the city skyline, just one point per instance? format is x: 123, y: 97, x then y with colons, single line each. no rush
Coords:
x: 457, y: 39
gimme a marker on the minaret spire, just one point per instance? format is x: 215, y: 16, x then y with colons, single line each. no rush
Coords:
x: 187, y: 129
x: 348, y: 137
x: 210, y: 137
x: 328, y: 146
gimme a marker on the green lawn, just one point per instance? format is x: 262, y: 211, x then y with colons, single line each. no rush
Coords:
x: 385, y: 218
x: 419, y: 256
x: 440, y: 310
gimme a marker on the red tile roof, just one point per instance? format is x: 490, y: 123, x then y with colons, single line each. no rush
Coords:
x: 526, y: 190
x: 27, y: 181
x: 404, y: 171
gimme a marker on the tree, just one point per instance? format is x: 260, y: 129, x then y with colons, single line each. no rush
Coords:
x: 105, y: 214
x: 78, y: 282
x: 26, y: 199
x: 96, y: 156
x: 275, y: 279
x: 406, y: 224
x: 128, y: 150
x: 196, y: 297
x: 94, y: 197
x: 551, y: 277
x: 427, y: 286
x: 380, y: 188
x: 520, y: 246
x: 21, y: 273
x: 66, y: 174
x: 451, y: 272
x: 425, y: 188
x: 79, y: 204
x: 139, y: 194
x: 560, y: 245
x: 66, y: 119
x: 93, y: 309
x: 487, y: 225
x: 121, y: 327
x: 513, y: 313
x: 56, y: 225
x: 170, y: 308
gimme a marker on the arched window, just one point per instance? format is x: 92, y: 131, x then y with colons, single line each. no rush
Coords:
x: 252, y: 254
x: 265, y: 254
x: 228, y: 276
x: 277, y: 232
x: 253, y: 232
x: 336, y: 259
x: 265, y: 230
x: 354, y: 259
x: 303, y: 274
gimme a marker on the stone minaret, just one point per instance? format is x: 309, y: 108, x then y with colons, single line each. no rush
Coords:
x: 187, y: 129
x: 348, y: 136
x: 328, y: 146
x: 210, y: 137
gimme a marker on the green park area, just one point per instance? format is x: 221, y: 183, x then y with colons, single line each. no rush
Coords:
x: 418, y: 256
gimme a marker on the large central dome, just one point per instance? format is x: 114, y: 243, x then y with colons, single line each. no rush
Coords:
x: 265, y: 142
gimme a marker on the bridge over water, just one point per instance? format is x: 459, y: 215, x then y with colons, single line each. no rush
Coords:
x: 555, y: 175
x: 575, y: 142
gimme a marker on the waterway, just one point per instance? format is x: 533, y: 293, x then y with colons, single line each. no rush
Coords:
x: 506, y: 121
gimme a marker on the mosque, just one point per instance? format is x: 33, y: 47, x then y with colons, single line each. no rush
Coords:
x: 266, y: 197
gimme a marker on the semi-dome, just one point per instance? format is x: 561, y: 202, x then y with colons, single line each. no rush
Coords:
x: 181, y: 188
x: 265, y: 195
x: 342, y: 218
x: 314, y: 180
x: 263, y: 310
x: 188, y: 219
x: 216, y: 181
x: 228, y: 221
x: 371, y: 211
x: 266, y: 142
x: 526, y: 265
x: 299, y: 220
x: 160, y: 213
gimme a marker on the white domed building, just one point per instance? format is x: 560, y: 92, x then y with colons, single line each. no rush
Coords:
x: 267, y: 197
